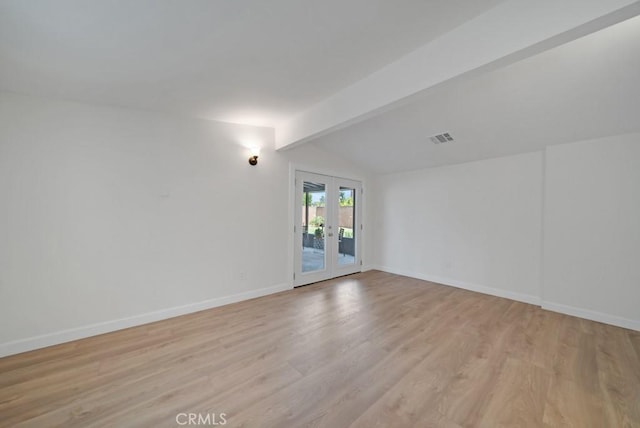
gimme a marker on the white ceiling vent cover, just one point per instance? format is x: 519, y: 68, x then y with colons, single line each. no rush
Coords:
x: 441, y: 138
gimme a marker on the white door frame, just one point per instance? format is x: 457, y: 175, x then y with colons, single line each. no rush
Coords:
x: 294, y: 230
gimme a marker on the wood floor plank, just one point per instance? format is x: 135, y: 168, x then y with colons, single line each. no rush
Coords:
x: 619, y: 375
x: 575, y: 359
x: 367, y: 350
x: 569, y: 405
x: 518, y: 399
x: 415, y: 398
x: 467, y: 395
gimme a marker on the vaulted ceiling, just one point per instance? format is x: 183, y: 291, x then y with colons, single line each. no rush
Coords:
x: 366, y: 80
x: 585, y: 89
x: 249, y: 61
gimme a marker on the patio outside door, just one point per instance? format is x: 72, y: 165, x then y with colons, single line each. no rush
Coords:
x: 327, y: 227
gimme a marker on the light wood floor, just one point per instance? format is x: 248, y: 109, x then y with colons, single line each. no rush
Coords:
x: 368, y: 350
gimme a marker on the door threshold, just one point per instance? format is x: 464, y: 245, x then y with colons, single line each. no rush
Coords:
x: 325, y: 280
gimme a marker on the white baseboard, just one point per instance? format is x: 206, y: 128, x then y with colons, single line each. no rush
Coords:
x: 37, y: 342
x: 526, y: 298
x: 512, y: 295
x: 591, y: 315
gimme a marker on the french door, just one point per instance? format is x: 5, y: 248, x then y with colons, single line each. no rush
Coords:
x: 327, y: 227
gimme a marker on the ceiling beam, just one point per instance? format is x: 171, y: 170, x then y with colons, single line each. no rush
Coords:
x: 512, y: 31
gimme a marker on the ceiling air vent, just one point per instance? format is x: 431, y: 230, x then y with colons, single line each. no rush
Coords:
x: 441, y: 138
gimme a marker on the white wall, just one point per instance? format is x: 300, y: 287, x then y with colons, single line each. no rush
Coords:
x: 115, y: 217
x: 592, y: 230
x: 475, y: 225
x: 489, y: 226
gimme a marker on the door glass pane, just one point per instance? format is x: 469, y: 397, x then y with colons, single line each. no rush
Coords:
x: 313, y: 221
x: 346, y: 226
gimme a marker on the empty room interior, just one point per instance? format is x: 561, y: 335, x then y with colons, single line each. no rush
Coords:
x: 294, y: 213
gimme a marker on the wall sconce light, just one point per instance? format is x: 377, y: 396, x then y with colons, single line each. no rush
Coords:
x: 253, y: 159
